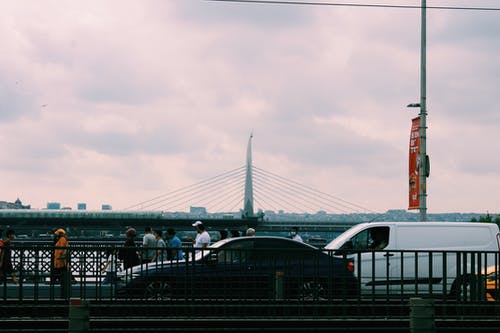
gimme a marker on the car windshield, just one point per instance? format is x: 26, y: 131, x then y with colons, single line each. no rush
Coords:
x: 199, y: 254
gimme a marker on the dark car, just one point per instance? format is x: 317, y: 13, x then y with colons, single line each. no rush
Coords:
x: 245, y: 268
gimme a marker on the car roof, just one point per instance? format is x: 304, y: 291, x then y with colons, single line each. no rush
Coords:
x: 204, y: 252
x: 244, y: 238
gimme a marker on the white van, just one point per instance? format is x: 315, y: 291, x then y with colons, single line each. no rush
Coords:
x: 414, y: 258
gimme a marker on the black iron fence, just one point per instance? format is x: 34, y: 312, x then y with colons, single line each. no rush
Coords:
x: 293, y: 275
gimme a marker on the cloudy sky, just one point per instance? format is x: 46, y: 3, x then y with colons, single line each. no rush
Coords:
x: 120, y: 101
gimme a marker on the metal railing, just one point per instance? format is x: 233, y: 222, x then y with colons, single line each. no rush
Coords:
x: 465, y: 276
x: 258, y: 274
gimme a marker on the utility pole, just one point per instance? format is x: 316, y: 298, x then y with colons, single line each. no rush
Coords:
x: 422, y: 159
x: 423, y: 168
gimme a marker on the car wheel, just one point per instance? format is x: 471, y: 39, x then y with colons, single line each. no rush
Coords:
x: 312, y: 290
x: 156, y: 290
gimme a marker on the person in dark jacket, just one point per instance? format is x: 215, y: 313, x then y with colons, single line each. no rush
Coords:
x: 129, y: 254
x: 6, y: 267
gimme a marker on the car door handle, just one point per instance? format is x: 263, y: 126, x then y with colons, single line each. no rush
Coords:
x: 389, y: 255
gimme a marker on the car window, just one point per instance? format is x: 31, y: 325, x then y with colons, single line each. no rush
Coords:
x: 235, y: 252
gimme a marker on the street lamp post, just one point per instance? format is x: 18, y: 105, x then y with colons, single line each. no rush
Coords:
x: 424, y: 160
x: 423, y: 114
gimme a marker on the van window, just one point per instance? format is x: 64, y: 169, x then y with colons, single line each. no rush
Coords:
x: 375, y: 238
x: 379, y: 238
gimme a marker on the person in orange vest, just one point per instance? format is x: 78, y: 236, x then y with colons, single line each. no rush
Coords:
x: 60, y: 254
x: 61, y: 260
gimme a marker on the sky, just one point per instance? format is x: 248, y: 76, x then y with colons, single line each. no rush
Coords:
x: 118, y: 101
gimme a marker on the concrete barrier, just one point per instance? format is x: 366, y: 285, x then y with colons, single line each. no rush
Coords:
x: 278, y: 286
x: 78, y: 316
x: 422, y: 315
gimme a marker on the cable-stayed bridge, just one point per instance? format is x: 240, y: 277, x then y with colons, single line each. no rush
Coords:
x: 271, y: 192
x: 241, y: 190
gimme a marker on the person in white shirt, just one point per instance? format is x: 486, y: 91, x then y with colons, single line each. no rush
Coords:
x: 202, y: 238
x: 148, y: 242
x: 294, y: 234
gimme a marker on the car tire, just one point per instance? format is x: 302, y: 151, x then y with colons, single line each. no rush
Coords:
x: 158, y: 290
x: 313, y: 291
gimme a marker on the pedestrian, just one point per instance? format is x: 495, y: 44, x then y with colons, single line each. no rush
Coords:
x: 54, y: 273
x: 294, y: 234
x: 175, y: 245
x: 6, y: 267
x: 222, y: 234
x: 129, y: 253
x: 61, y: 251
x: 202, y: 236
x: 250, y: 232
x: 61, y: 262
x: 149, y: 243
x: 109, y: 266
x: 160, y: 254
x: 235, y: 233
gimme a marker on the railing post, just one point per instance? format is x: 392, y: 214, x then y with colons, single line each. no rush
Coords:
x: 65, y: 283
x: 422, y: 315
x: 78, y: 316
x: 278, y: 285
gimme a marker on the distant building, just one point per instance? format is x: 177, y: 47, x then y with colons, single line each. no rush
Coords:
x: 198, y: 211
x: 53, y: 205
x: 13, y: 205
x: 106, y: 207
x: 81, y: 206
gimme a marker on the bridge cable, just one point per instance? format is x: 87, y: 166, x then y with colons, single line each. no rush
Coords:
x: 285, y: 195
x: 190, y: 188
x: 311, y: 192
x: 293, y: 192
x: 205, y: 191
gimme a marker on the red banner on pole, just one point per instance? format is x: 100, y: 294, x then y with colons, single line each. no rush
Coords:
x: 414, y: 165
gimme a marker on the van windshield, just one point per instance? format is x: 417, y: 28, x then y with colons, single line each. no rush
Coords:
x: 338, y: 242
x: 374, y: 238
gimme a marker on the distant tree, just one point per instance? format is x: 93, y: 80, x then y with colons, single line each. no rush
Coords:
x: 487, y: 218
x: 497, y: 220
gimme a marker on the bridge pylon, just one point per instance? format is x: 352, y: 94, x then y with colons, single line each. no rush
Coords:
x: 248, y: 212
